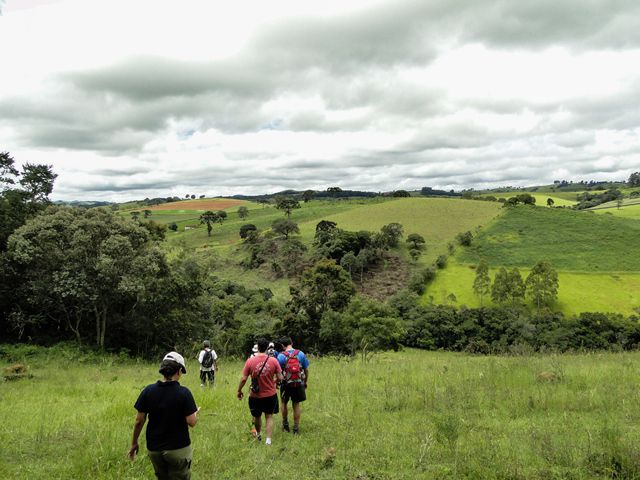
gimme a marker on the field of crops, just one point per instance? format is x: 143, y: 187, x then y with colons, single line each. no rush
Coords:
x: 411, y: 414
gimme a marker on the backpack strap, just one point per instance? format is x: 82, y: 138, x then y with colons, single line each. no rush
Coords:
x: 263, y: 365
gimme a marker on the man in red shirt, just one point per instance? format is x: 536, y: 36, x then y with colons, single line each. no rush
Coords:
x: 263, y: 370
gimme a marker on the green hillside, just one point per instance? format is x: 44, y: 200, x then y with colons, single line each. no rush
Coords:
x: 627, y: 211
x: 574, y: 241
x: 578, y: 292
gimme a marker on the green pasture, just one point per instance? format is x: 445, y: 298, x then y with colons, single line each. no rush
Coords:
x: 627, y: 211
x: 559, y: 200
x: 438, y: 220
x: 411, y: 414
x: 578, y: 292
x: 227, y: 233
x: 570, y: 240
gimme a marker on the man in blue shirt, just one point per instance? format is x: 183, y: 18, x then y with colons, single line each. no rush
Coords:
x: 295, y: 367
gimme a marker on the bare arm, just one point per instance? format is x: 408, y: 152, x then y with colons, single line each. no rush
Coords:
x: 306, y: 376
x: 193, y: 418
x: 243, y: 380
x: 141, y: 418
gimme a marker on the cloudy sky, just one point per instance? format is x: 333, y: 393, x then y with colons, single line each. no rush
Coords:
x: 132, y: 99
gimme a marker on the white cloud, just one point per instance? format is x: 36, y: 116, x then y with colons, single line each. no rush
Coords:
x: 155, y: 98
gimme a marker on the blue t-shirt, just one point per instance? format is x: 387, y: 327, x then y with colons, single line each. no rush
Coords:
x: 304, y: 361
x: 167, y: 405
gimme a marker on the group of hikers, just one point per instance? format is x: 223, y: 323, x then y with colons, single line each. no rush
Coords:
x: 171, y: 408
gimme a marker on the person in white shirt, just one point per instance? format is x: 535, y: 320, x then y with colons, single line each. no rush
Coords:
x: 208, y: 360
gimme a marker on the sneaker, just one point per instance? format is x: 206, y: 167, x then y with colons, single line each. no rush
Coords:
x: 285, y: 426
x: 296, y: 430
x: 267, y: 441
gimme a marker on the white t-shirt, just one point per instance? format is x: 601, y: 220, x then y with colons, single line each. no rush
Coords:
x: 201, y: 357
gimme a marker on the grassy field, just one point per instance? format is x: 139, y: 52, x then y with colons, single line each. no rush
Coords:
x: 628, y: 211
x: 438, y: 220
x: 595, y: 255
x: 402, y: 415
x: 559, y: 199
x: 574, y: 241
x: 578, y: 292
x: 425, y: 216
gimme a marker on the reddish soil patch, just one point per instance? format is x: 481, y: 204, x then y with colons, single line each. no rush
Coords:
x: 211, y: 204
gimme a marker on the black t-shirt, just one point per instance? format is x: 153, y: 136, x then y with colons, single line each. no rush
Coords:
x: 167, y: 405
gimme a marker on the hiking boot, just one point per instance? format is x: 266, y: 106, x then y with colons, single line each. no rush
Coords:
x: 285, y: 426
x: 296, y: 430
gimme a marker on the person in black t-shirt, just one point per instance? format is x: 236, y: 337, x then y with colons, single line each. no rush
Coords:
x: 171, y: 410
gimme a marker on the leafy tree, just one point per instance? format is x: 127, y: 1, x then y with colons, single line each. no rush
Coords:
x: 441, y: 261
x: 173, y: 226
x: 84, y: 264
x: 221, y: 214
x: 307, y: 195
x: 550, y: 202
x: 349, y: 262
x: 401, y: 193
x: 210, y: 218
x: 263, y: 201
x: 465, y: 238
x: 334, y: 191
x: 135, y: 215
x: 500, y: 288
x: 415, y: 253
x: 324, y: 286
x: 516, y: 286
x: 542, y: 284
x: 287, y: 205
x: 285, y: 227
x: 23, y: 194
x: 37, y: 181
x: 416, y: 240
x: 482, y: 282
x: 392, y: 232
x: 243, y: 212
x: 7, y: 170
x: 634, y: 179
x: 246, y: 229
x: 147, y: 213
x: 193, y: 197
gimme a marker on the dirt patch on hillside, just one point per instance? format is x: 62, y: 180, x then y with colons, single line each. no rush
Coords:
x: 212, y: 204
x: 385, y: 280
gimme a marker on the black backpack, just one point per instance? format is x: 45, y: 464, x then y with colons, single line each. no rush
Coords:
x: 207, y: 360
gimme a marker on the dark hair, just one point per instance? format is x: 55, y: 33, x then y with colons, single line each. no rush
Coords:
x: 168, y: 368
x: 285, y: 341
x: 263, y: 344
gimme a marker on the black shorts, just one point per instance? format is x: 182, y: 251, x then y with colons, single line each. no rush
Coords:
x: 294, y: 391
x: 268, y: 405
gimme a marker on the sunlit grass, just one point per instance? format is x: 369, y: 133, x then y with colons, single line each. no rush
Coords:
x: 400, y: 415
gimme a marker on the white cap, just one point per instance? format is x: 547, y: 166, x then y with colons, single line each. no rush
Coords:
x: 176, y: 357
x: 255, y: 348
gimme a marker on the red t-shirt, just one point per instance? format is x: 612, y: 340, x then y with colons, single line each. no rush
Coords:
x: 267, y: 379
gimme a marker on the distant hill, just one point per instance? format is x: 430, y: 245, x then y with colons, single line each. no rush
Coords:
x: 83, y: 203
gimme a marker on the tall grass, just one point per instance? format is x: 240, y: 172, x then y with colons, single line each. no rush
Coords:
x: 410, y: 414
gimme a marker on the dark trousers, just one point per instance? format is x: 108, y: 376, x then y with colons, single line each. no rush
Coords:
x: 204, y: 376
